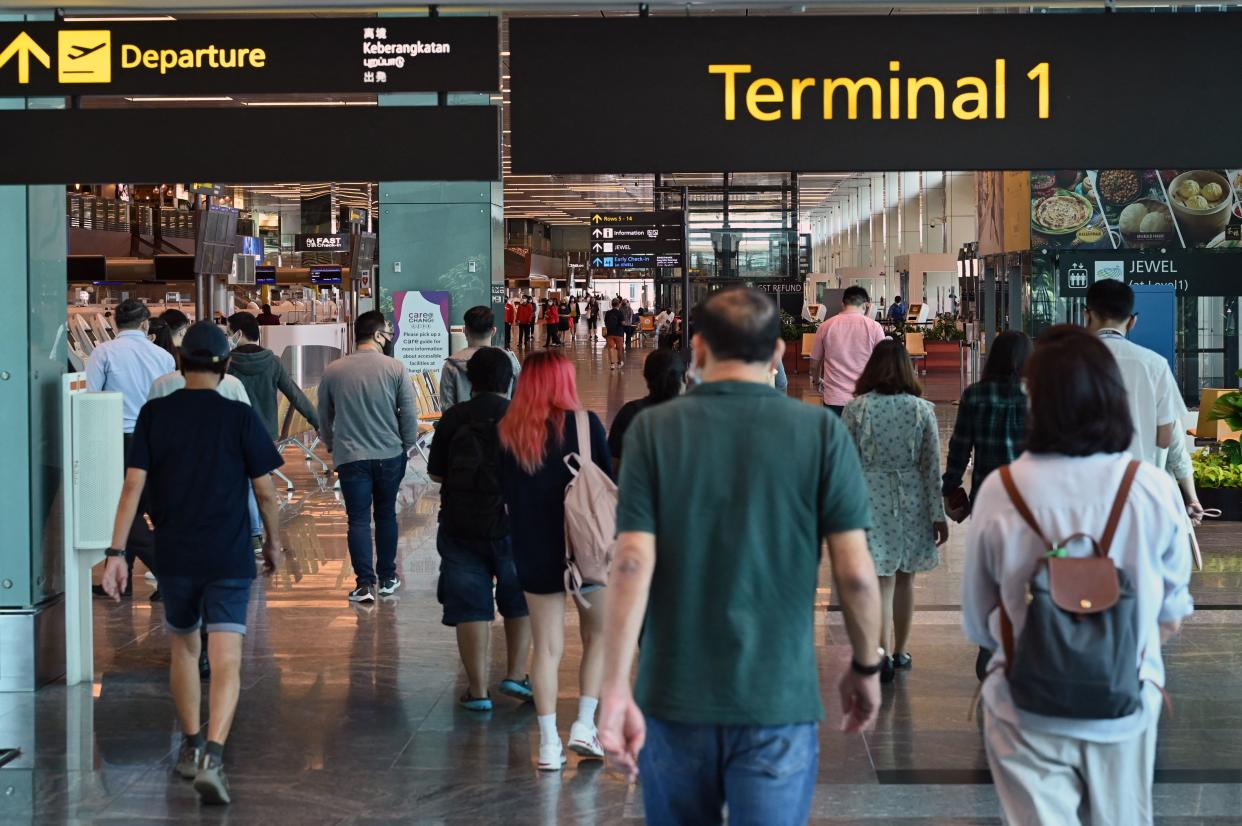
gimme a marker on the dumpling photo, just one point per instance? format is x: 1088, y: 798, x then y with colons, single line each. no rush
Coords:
x: 1188, y: 189
x: 1156, y: 222
x: 1131, y: 217
x: 1197, y: 202
x: 1212, y: 192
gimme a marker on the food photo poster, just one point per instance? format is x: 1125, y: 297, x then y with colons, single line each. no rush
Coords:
x: 1136, y: 209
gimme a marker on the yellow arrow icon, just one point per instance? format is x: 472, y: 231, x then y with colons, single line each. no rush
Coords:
x: 24, y: 47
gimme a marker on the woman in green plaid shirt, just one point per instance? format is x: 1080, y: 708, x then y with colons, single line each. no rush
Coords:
x: 991, y: 418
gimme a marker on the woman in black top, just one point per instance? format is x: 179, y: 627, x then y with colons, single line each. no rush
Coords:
x: 665, y: 372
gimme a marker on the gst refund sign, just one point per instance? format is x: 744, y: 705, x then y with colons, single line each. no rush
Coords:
x: 250, y: 56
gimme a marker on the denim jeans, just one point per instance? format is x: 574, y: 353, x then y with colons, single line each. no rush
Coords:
x: 370, y: 486
x: 256, y: 518
x: 765, y: 774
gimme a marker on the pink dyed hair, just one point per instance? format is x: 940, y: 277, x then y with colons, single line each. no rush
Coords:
x: 547, y: 389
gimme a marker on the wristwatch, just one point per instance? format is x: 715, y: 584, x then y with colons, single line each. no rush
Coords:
x: 113, y: 552
x: 869, y: 670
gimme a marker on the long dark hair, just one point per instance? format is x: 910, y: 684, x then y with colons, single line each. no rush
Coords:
x: 1077, y: 396
x: 161, y: 335
x: 1008, y: 357
x: 888, y: 372
x: 665, y: 373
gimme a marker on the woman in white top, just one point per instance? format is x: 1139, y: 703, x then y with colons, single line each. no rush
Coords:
x: 1054, y: 769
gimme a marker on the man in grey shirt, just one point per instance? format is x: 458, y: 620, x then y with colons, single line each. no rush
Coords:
x: 368, y: 419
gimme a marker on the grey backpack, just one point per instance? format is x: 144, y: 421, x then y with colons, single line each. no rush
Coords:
x: 590, y: 517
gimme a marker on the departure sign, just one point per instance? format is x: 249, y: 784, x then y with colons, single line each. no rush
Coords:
x: 194, y: 57
x: 636, y: 240
x: 812, y: 93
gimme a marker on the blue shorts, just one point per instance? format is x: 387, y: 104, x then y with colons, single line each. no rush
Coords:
x: 219, y: 603
x: 468, y: 569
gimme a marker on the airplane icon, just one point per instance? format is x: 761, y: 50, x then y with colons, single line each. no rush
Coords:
x: 83, y: 51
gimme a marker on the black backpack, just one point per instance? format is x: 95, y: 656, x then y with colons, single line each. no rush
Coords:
x: 471, y: 503
x: 1076, y: 656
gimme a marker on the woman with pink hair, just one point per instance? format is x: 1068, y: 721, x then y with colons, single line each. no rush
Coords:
x: 535, y: 435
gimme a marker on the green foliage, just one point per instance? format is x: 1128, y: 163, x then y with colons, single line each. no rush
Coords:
x: 1228, y: 408
x: 1219, y: 467
x: 944, y: 328
x: 792, y: 328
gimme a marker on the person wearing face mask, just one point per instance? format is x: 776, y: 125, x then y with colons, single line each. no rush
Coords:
x: 263, y: 375
x: 368, y: 420
x: 129, y: 364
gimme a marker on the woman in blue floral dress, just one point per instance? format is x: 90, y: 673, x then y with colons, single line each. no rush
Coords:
x: 898, y: 441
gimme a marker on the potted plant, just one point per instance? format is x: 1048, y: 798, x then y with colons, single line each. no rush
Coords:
x: 1218, y: 468
x: 942, y: 341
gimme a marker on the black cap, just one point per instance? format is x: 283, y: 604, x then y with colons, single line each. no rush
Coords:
x: 205, y: 341
x: 131, y: 311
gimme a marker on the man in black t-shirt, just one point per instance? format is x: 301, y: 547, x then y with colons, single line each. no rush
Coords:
x: 473, y: 539
x: 614, y: 331
x: 196, y: 454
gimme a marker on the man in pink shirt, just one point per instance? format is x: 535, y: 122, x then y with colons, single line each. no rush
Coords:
x: 843, y: 344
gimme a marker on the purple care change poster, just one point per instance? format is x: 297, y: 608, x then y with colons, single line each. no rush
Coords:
x: 421, y: 329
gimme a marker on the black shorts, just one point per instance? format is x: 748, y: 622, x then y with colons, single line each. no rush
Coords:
x: 469, y: 568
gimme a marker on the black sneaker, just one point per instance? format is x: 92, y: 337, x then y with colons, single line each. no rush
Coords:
x: 903, y: 661
x: 363, y: 593
x: 210, y: 783
x: 887, y: 671
x: 388, y: 587
x: 204, y: 665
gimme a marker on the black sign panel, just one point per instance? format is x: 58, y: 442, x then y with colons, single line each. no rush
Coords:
x: 636, y: 240
x: 435, y: 143
x: 817, y: 93
x: 1190, y: 273
x: 251, y: 55
x: 321, y: 243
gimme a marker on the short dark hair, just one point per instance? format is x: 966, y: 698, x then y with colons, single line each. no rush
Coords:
x: 739, y: 324
x: 368, y: 324
x: 888, y: 372
x: 267, y: 308
x: 665, y: 373
x: 479, y: 321
x: 616, y: 302
x: 175, y: 319
x: 1111, y: 300
x: 855, y: 296
x: 1007, y: 357
x: 245, y: 324
x: 490, y: 371
x: 192, y: 364
x: 896, y: 299
x: 1077, y: 397
x: 130, y: 313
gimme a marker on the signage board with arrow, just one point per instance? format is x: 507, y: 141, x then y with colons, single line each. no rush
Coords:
x: 637, y: 240
x: 197, y: 57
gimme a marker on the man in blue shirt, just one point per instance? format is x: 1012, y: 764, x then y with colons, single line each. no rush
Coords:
x: 897, y: 312
x: 200, y: 452
x: 129, y: 365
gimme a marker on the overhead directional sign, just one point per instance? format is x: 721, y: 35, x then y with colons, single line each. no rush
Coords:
x: 197, y: 57
x: 636, y: 240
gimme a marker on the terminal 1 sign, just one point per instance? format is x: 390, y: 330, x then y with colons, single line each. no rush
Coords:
x: 260, y: 56
x: 907, y: 92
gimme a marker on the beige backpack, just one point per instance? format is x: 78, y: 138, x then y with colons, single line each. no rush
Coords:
x: 590, y: 517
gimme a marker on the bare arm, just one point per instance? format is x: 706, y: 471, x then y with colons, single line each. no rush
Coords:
x: 269, y: 511
x: 622, y: 730
x: 1164, y: 434
x: 1168, y: 630
x: 116, y: 572
x: 853, y: 572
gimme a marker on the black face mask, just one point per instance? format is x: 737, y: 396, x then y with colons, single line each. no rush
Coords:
x: 388, y: 346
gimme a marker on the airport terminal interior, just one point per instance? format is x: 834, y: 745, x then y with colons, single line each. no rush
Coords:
x: 350, y: 712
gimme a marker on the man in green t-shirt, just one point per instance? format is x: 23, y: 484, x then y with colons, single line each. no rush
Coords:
x: 720, y: 550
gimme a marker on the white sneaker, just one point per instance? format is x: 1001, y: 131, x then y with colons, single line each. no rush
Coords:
x: 552, y: 757
x: 584, y: 742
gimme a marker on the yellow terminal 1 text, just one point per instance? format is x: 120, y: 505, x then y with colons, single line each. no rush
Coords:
x: 766, y: 99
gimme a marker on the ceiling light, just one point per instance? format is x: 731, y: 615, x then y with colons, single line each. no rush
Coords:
x: 157, y: 99
x: 146, y: 19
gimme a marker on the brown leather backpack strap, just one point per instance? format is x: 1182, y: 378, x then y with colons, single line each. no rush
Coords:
x: 1019, y: 503
x: 1119, y: 505
x: 1006, y: 629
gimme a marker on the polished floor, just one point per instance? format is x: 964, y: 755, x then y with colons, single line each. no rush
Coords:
x: 348, y: 714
